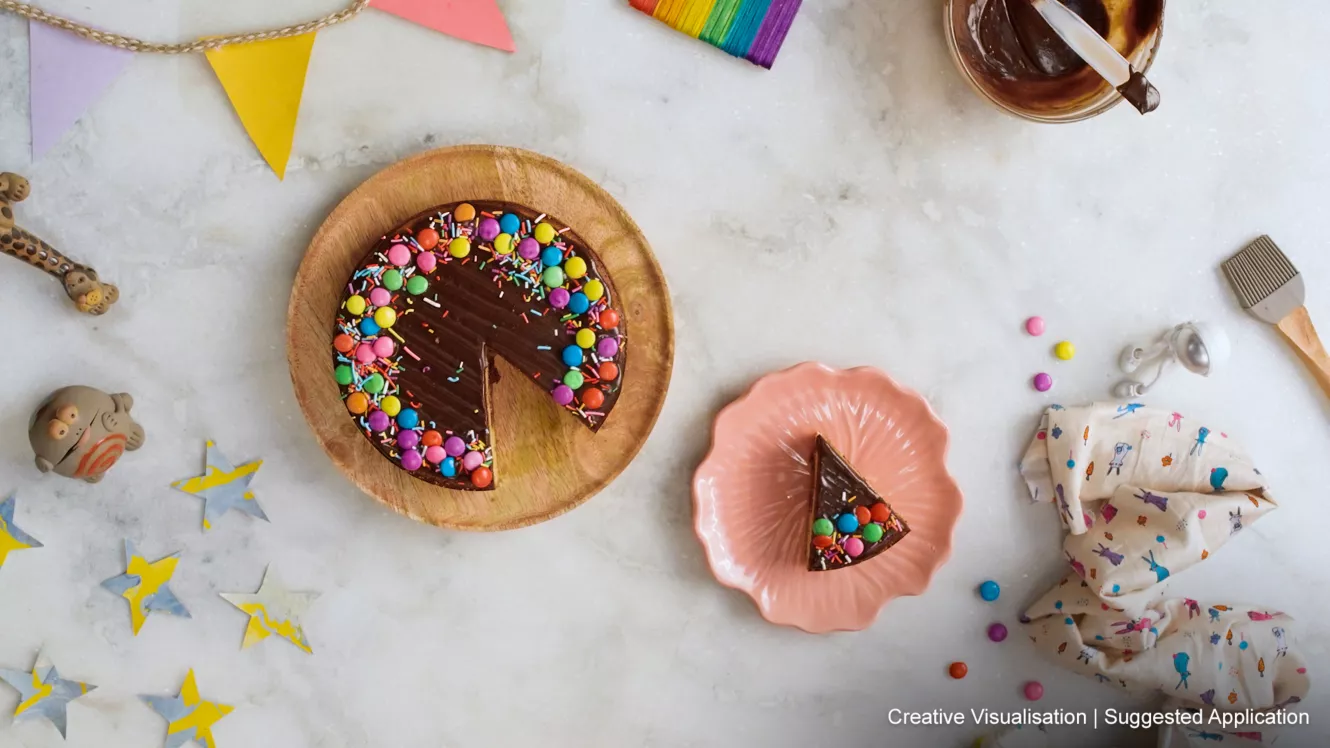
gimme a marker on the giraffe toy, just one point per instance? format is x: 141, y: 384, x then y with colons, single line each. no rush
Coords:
x: 81, y: 283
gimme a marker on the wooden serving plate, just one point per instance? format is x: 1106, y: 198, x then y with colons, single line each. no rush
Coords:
x: 545, y: 462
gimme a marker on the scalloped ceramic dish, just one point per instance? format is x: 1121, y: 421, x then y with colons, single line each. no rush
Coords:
x: 752, y: 493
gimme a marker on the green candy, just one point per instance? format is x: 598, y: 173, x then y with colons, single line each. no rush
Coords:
x: 417, y: 285
x: 374, y: 385
x: 392, y: 280
x: 553, y: 276
x: 343, y: 375
x: 573, y: 378
x: 872, y: 532
x: 823, y: 526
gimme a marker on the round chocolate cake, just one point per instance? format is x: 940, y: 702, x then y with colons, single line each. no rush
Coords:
x: 432, y: 302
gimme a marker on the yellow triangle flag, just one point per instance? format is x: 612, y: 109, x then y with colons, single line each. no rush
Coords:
x: 264, y: 81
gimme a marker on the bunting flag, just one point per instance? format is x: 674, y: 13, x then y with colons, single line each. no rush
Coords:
x: 478, y: 21
x: 68, y: 73
x: 265, y: 81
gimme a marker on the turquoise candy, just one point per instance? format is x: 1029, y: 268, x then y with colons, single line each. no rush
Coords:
x: 551, y: 256
x: 578, y: 303
x: 572, y: 356
x: 847, y: 523
x: 509, y: 223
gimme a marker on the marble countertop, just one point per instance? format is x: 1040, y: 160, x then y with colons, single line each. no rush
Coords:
x: 885, y: 214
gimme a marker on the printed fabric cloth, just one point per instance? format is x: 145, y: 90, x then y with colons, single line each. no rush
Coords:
x: 1146, y: 494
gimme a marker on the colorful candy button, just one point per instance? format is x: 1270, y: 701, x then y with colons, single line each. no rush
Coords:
x: 407, y: 439
x: 862, y: 514
x: 997, y: 632
x: 559, y: 298
x: 431, y: 438
x: 488, y: 229
x: 880, y: 512
x: 465, y: 212
x: 1034, y: 690
x: 379, y: 421
x: 503, y: 244
x: 847, y: 523
x: 427, y: 239
x: 448, y: 467
x: 509, y: 223
x: 958, y: 670
x: 585, y: 338
x: 823, y: 526
x: 854, y: 547
x: 356, y: 305
x: 990, y: 590
x: 822, y: 541
x: 399, y: 255
x: 411, y: 460
x: 417, y: 285
x: 374, y: 384
x: 872, y: 532
x: 384, y: 347
x: 343, y: 343
x: 459, y: 247
x: 357, y: 402
x: 551, y: 256
x: 1042, y: 382
x: 594, y: 289
x: 593, y: 398
x: 369, y: 327
x: 392, y: 280
x: 343, y: 375
x: 454, y: 446
x: 562, y: 394
x: 609, y: 319
x: 607, y: 347
x: 578, y: 303
x: 575, y: 267
x: 528, y: 248
x: 1064, y: 350
x: 552, y: 276
x: 572, y: 356
x: 391, y: 405
x: 380, y: 296
x: 408, y: 418
x: 609, y: 371
x: 434, y: 454
x: 427, y: 261
x: 385, y: 316
x: 472, y: 460
x: 365, y: 353
x: 481, y: 477
x: 573, y: 378
x: 544, y: 233
x: 1035, y: 326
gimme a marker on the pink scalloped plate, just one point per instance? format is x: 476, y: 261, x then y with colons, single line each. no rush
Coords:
x: 752, y: 494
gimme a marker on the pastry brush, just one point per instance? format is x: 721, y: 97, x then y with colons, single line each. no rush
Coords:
x: 1272, y: 290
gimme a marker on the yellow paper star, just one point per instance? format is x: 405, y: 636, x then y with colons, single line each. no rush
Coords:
x: 12, y: 538
x: 273, y: 611
x: 188, y: 716
x: 144, y: 585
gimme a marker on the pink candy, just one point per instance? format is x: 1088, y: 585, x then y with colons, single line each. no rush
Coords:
x: 854, y: 547
x: 1043, y: 382
x: 1035, y: 326
x: 365, y: 353
x: 399, y: 255
x: 383, y: 348
x: 380, y: 296
x: 435, y: 454
x: 472, y: 460
x: 426, y: 261
x: 559, y: 298
x: 1034, y: 690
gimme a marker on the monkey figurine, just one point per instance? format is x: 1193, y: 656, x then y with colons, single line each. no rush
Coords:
x: 81, y: 283
x: 80, y: 432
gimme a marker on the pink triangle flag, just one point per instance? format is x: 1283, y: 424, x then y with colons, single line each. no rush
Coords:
x: 478, y: 21
x: 68, y: 73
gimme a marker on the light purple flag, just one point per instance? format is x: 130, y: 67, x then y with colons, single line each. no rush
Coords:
x: 68, y: 74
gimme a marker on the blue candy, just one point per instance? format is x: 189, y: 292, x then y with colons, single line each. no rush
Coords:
x: 578, y: 303
x: 847, y: 523
x: 448, y: 467
x: 408, y: 418
x: 572, y: 356
x: 550, y: 256
x: 509, y: 223
x: 989, y: 590
x: 368, y: 326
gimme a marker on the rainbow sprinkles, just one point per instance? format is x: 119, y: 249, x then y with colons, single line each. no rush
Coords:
x: 751, y: 29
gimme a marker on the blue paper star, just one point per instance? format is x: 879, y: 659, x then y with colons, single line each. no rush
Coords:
x: 223, y: 486
x: 43, y: 693
x: 144, y: 585
x: 12, y: 538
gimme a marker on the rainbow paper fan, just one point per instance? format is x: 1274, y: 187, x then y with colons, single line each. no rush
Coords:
x: 751, y: 29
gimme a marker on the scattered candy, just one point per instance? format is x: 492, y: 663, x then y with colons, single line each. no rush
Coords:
x: 528, y: 249
x: 465, y: 212
x: 544, y: 233
x: 381, y: 297
x: 1034, y: 690
x: 391, y: 405
x: 1035, y: 326
x: 823, y: 526
x: 374, y: 384
x: 472, y: 460
x: 392, y: 280
x: 417, y: 285
x: 379, y: 421
x: 357, y: 403
x: 609, y: 319
x: 573, y: 378
x: 384, y: 347
x: 872, y: 532
x: 562, y: 394
x: 958, y: 670
x: 572, y: 356
x: 368, y: 327
x: 435, y: 454
x: 559, y: 298
x: 448, y: 467
x: 880, y: 512
x: 365, y: 353
x: 593, y: 398
x: 385, y: 316
x: 407, y: 439
x: 609, y: 371
x: 551, y: 256
x: 1043, y: 382
x: 481, y: 477
x: 509, y: 223
x: 552, y: 277
x: 408, y: 418
x: 343, y: 343
x: 862, y: 514
x: 1065, y: 351
x: 343, y: 375
x: 411, y: 460
x: 427, y: 261
x: 503, y: 244
x: 427, y: 239
x: 607, y: 347
x: 997, y: 632
x: 822, y: 541
x: 847, y: 523
x: 854, y: 547
x: 585, y: 338
x: 356, y: 305
x: 575, y: 267
x: 459, y: 247
x: 430, y: 438
x: 454, y: 446
x: 594, y: 289
x: 990, y: 590
x: 399, y: 255
x: 488, y: 229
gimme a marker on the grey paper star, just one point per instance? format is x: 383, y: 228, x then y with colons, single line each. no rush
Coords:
x: 223, y: 486
x: 12, y: 538
x: 43, y: 693
x: 188, y: 715
x: 273, y: 611
x: 145, y: 585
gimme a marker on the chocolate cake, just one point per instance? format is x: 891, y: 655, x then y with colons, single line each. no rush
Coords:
x: 851, y: 522
x: 433, y: 301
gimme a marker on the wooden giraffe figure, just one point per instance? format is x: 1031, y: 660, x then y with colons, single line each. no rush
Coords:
x: 88, y: 293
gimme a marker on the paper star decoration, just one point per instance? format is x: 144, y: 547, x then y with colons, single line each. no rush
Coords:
x: 273, y: 611
x: 12, y: 538
x: 144, y: 585
x: 187, y: 715
x: 223, y: 487
x: 43, y: 693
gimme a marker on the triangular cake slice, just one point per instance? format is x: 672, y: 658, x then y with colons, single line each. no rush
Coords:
x: 851, y: 522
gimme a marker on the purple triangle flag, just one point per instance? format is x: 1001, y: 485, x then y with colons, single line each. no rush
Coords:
x: 68, y: 74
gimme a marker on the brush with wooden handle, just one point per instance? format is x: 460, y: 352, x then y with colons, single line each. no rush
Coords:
x: 1271, y: 289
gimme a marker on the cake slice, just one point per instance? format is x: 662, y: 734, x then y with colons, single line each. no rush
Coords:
x: 851, y: 522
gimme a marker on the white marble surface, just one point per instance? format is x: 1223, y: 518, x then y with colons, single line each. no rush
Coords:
x: 886, y: 215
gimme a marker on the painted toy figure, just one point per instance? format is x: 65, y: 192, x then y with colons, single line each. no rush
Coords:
x: 81, y: 283
x: 80, y: 432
